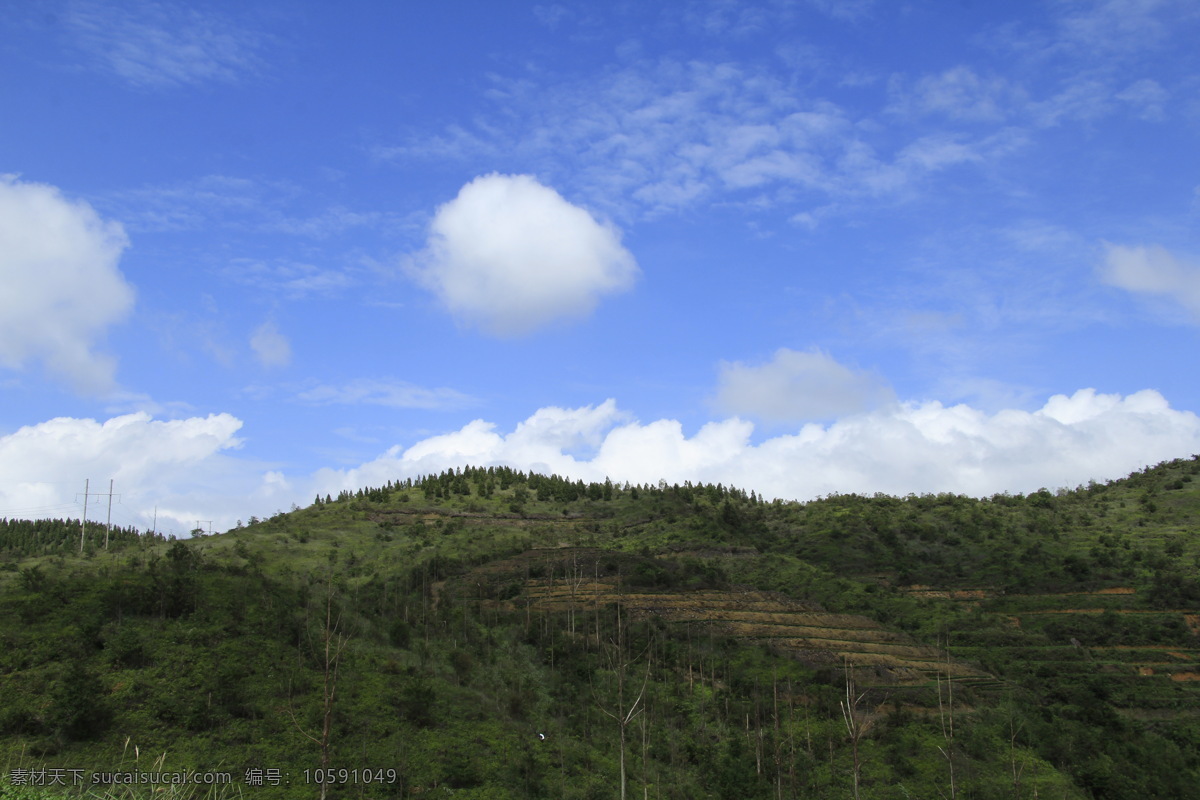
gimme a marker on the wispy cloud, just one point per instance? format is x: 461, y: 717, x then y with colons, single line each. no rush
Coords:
x: 667, y: 135
x: 393, y: 394
x: 659, y: 136
x: 251, y: 211
x: 848, y: 10
x: 959, y: 93
x: 978, y: 296
x: 1155, y: 272
x: 270, y: 346
x: 798, y: 386
x: 238, y: 203
x: 1148, y: 97
x: 324, y: 224
x: 156, y: 45
x: 1084, y: 57
x: 1111, y: 28
x: 289, y: 278
x: 1101, y: 33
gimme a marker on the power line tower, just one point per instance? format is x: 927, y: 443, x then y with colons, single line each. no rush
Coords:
x: 83, y: 523
x: 108, y: 523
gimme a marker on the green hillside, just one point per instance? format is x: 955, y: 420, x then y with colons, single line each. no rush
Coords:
x: 489, y: 634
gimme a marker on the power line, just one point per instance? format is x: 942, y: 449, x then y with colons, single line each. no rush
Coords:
x: 14, y: 512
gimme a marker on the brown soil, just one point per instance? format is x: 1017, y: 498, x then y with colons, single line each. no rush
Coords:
x: 569, y: 580
x: 1101, y: 611
x: 920, y: 590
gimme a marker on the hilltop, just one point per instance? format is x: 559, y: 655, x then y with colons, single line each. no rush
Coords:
x: 500, y: 634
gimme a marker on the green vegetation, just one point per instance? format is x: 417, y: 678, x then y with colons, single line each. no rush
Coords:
x: 501, y: 635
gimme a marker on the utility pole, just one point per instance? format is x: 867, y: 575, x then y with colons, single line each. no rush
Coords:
x: 83, y: 523
x: 108, y: 523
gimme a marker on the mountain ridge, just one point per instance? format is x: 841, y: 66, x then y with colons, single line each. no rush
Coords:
x: 480, y: 603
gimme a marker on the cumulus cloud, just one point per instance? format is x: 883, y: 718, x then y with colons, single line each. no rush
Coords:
x: 543, y: 442
x: 797, y: 386
x: 62, y: 287
x: 898, y: 449
x: 1154, y: 270
x: 270, y: 346
x: 176, y: 465
x: 183, y: 467
x: 511, y: 255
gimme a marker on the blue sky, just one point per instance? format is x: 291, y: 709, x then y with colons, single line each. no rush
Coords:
x: 253, y: 252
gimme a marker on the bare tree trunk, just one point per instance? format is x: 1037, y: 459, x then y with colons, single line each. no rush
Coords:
x: 1013, y: 730
x: 792, y: 738
x: 575, y: 582
x: 333, y: 643
x: 619, y: 664
x: 947, y: 730
x: 645, y: 747
x: 857, y: 724
x: 777, y: 743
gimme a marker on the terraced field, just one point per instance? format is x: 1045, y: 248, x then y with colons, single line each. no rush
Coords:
x: 569, y: 580
x: 1147, y: 658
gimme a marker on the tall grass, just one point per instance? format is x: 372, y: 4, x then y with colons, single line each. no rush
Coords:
x: 19, y: 783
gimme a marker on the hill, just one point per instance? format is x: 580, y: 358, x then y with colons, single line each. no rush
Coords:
x: 487, y: 633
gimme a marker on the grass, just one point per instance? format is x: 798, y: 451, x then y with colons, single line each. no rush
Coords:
x: 41, y: 782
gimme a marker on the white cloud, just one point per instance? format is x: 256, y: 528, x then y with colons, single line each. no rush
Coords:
x: 542, y: 442
x: 163, y: 44
x: 1079, y: 100
x: 62, y: 287
x: 1112, y: 27
x: 958, y: 93
x: 914, y: 447
x: 1154, y: 270
x: 670, y: 135
x: 183, y: 467
x: 848, y: 10
x: 242, y: 204
x: 1148, y: 97
x: 290, y: 278
x: 797, y: 386
x: 511, y: 255
x: 550, y: 15
x: 270, y: 346
x: 393, y: 394
x: 175, y: 464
